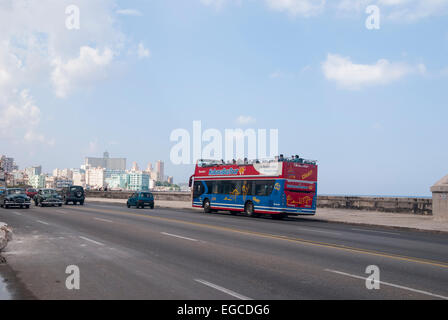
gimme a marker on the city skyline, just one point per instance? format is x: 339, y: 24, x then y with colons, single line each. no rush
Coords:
x: 95, y: 173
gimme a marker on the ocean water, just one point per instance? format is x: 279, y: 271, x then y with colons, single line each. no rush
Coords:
x: 372, y: 196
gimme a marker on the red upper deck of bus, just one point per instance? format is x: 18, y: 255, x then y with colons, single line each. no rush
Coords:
x: 294, y: 168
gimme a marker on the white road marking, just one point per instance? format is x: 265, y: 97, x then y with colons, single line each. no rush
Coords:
x: 176, y: 236
x: 43, y: 222
x: 61, y: 211
x: 93, y: 241
x: 104, y: 220
x: 375, y: 231
x: 320, y: 231
x: 16, y: 213
x: 390, y: 284
x: 222, y: 289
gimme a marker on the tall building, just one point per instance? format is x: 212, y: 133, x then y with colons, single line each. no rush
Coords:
x: 106, y: 162
x: 95, y: 177
x: 79, y: 178
x: 138, y: 181
x: 118, y: 181
x: 160, y: 170
x: 33, y: 171
x: 37, y: 181
x: 8, y: 164
x: 135, y: 166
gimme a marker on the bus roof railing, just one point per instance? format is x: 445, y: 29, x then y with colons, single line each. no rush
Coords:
x: 214, y: 162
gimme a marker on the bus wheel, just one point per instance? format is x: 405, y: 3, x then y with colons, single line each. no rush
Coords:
x: 206, y: 206
x: 249, y: 209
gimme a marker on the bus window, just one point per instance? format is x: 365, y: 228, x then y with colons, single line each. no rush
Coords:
x: 246, y: 188
x: 210, y: 186
x: 264, y: 187
x: 198, y: 189
x: 227, y: 187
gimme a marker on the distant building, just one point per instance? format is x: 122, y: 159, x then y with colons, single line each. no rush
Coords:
x: 160, y: 170
x: 170, y: 180
x: 135, y: 166
x: 153, y: 175
x: 118, y: 181
x: 95, y: 177
x: 33, y: 171
x: 79, y: 178
x: 2, y: 178
x: 8, y: 164
x: 106, y: 162
x: 138, y: 181
x: 37, y: 181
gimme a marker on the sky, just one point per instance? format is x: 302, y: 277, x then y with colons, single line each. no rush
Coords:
x: 369, y: 104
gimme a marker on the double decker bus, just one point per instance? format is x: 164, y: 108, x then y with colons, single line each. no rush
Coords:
x: 280, y: 187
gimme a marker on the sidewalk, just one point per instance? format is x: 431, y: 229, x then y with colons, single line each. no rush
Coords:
x: 359, y: 217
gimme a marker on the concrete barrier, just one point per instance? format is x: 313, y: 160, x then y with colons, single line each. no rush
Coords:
x: 421, y: 206
x: 440, y: 198
x: 158, y: 195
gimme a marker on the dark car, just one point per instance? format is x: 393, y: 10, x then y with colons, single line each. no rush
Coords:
x: 47, y: 197
x: 31, y: 192
x: 14, y: 197
x: 141, y: 199
x: 73, y: 194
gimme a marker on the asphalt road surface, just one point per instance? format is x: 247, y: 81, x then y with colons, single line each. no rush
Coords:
x: 133, y: 253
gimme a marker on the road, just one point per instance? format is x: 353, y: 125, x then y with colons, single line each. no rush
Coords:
x: 185, y: 254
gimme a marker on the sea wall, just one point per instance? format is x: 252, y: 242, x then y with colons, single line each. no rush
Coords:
x: 421, y: 206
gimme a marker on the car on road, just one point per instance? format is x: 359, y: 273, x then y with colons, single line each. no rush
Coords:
x: 141, y: 199
x: 31, y: 192
x: 14, y: 197
x: 47, y: 197
x: 73, y: 194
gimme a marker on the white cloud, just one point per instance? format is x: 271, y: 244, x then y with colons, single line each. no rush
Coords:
x: 276, y: 74
x: 396, y: 10
x: 142, y: 52
x: 32, y: 137
x: 214, y: 3
x: 79, y: 71
x: 20, y: 116
x: 37, y: 50
x: 129, y: 12
x: 399, y: 10
x: 243, y: 120
x: 350, y: 75
x: 22, y: 112
x: 298, y: 7
x: 4, y: 77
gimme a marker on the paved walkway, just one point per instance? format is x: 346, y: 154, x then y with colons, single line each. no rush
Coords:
x: 367, y: 218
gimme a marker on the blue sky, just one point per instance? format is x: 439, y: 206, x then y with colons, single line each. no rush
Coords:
x: 369, y: 105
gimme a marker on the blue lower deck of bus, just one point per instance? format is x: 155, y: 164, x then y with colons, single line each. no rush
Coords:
x: 272, y: 204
